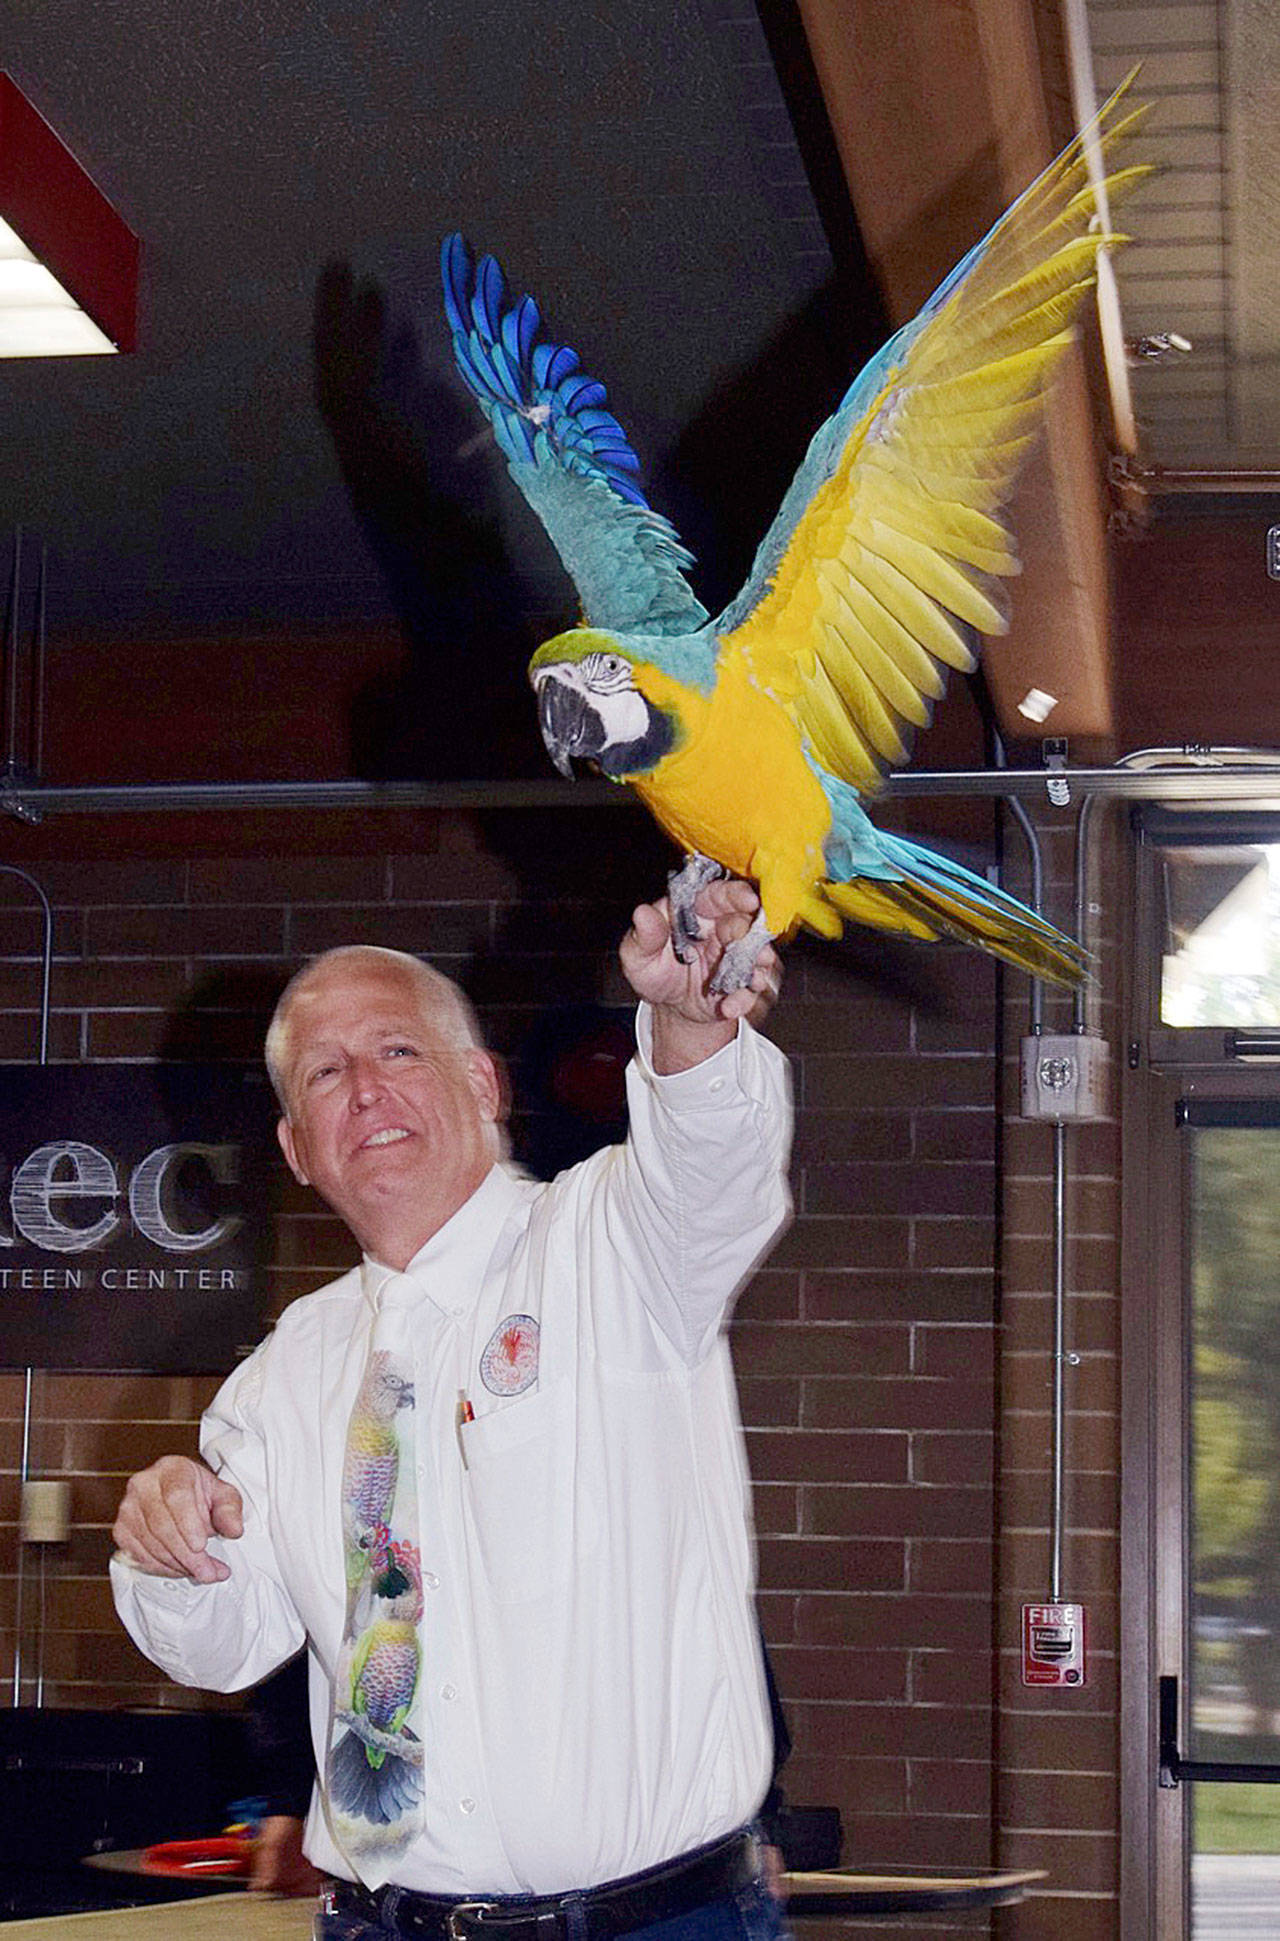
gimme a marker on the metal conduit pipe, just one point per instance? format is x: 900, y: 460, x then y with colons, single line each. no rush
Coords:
x: 46, y: 965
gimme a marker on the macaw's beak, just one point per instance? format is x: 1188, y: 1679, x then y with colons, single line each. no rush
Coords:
x: 570, y: 725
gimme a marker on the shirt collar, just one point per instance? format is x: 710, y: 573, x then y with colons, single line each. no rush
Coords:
x: 446, y: 1269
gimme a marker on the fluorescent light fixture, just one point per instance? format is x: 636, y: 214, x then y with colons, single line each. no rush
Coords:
x: 38, y: 317
x: 68, y: 263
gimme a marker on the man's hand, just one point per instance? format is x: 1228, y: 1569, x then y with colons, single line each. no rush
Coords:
x: 168, y: 1514
x: 279, y: 1864
x: 690, y: 1022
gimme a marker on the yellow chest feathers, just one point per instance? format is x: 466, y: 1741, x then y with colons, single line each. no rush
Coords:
x: 737, y: 786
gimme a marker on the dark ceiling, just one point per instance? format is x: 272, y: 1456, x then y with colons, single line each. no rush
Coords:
x: 633, y: 163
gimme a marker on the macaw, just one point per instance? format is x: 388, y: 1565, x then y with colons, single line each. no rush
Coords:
x: 754, y: 738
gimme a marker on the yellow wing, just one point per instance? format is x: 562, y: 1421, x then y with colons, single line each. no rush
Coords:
x: 891, y: 533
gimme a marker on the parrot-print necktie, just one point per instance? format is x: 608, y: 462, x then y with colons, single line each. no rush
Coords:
x: 373, y: 1775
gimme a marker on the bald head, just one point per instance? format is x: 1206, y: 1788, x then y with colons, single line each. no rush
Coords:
x: 440, y: 999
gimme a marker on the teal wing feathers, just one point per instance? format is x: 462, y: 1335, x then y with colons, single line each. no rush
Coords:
x: 567, y: 453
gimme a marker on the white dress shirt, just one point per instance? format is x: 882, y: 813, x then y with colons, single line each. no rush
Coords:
x: 593, y: 1693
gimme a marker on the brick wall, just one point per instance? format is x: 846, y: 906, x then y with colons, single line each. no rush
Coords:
x: 864, y: 1348
x: 1058, y: 1752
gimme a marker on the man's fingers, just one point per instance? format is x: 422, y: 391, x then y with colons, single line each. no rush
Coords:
x: 227, y: 1510
x: 651, y: 927
x: 169, y: 1513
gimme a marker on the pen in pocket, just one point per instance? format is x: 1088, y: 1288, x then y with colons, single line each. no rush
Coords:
x: 465, y: 1414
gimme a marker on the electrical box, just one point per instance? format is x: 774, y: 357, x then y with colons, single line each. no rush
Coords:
x: 1065, y: 1077
x: 1053, y: 1645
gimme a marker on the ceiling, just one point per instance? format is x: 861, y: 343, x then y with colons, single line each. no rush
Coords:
x: 721, y: 204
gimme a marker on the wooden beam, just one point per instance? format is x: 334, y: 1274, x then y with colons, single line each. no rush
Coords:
x: 940, y: 117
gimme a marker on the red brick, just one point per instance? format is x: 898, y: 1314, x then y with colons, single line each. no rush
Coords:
x: 1091, y: 1563
x: 1085, y: 1862
x: 1092, y: 1501
x: 815, y: 1350
x: 768, y: 1404
x: 802, y: 1564
x: 903, y: 1731
x: 123, y: 879
x: 1044, y: 1741
x: 908, y: 1187
x: 1092, y: 1265
x: 959, y: 1351
x: 870, y: 1510
x: 451, y: 876
x: 101, y: 984
x: 119, y: 1448
x: 20, y: 1038
x: 842, y: 1243
x: 285, y: 879
x: 918, y: 1844
x: 948, y: 1677
x: 1074, y: 1801
x: 811, y: 1025
x: 789, y: 1455
x: 897, y: 1621
x: 953, y: 1243
x: 940, y: 1564
x: 1028, y: 1149
x: 874, y: 1676
x: 1092, y: 1322
x: 160, y: 931
x: 1092, y: 1384
x: 822, y: 1136
x: 957, y: 1136
x: 862, y: 1296
x: 776, y: 1509
x: 435, y: 930
x: 835, y: 1083
x: 950, y: 1785
x: 896, y: 1402
x: 1046, y: 1916
x: 769, y: 1296
x: 963, y: 1460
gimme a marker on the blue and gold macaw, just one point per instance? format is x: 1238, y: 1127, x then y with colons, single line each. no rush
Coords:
x: 755, y: 738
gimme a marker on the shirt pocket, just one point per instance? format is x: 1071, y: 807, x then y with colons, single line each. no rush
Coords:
x: 532, y: 1514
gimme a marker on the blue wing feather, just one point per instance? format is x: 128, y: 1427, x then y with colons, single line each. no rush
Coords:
x: 569, y: 455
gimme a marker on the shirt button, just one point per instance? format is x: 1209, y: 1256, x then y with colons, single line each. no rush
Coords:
x: 430, y: 1579
x: 448, y: 1691
x: 467, y: 1805
x: 716, y: 1085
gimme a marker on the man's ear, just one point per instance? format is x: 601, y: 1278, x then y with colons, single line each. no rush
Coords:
x: 487, y: 1079
x: 288, y: 1146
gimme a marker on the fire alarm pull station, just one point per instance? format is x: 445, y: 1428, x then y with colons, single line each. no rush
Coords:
x: 1053, y: 1644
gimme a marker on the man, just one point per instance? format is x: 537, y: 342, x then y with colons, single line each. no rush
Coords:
x: 536, y: 1687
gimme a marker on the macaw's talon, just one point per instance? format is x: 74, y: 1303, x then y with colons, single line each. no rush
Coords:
x: 682, y: 893
x: 739, y: 959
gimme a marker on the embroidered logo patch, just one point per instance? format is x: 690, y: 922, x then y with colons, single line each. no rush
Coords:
x: 509, y: 1363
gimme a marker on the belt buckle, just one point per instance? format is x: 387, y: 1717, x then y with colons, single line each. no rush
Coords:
x: 478, y: 1908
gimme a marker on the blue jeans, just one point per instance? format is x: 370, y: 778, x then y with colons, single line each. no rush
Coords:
x: 753, y: 1914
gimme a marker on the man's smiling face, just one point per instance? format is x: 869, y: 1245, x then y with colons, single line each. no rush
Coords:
x: 389, y: 1117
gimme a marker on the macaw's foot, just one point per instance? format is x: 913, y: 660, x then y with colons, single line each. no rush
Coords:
x: 739, y: 959
x: 682, y: 892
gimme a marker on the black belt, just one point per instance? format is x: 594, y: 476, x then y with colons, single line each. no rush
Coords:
x: 617, y: 1907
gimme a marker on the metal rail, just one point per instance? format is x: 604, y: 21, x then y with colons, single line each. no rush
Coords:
x: 1196, y: 780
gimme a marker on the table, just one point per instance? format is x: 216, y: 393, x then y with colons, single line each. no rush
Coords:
x: 843, y: 1892
x: 214, y: 1917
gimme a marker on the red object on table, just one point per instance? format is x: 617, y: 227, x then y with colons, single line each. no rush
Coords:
x: 229, y: 1853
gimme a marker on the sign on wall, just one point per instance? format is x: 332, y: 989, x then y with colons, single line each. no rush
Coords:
x: 133, y: 1215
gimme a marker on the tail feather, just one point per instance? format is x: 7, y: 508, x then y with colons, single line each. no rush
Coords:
x: 377, y: 1795
x: 933, y: 897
